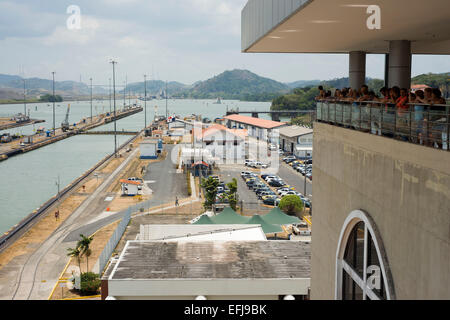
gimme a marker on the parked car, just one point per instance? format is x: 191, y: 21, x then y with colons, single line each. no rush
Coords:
x: 265, y: 194
x: 270, y: 200
x: 248, y: 161
x: 289, y: 158
x: 276, y: 183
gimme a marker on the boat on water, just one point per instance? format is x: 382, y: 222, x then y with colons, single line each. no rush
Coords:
x: 219, y: 101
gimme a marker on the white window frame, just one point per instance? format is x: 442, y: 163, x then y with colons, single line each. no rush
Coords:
x: 341, y: 265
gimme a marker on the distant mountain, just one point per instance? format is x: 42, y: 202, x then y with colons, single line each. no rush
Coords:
x: 237, y: 84
x: 154, y: 87
x: 303, y: 83
x: 37, y: 87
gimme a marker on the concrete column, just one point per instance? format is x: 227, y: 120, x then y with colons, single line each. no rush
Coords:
x: 400, y: 63
x: 357, y: 69
x: 276, y: 117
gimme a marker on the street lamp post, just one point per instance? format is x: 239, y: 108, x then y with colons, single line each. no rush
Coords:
x: 114, y: 94
x: 145, y: 101
x: 167, y: 114
x: 110, y: 96
x: 24, y: 99
x: 125, y: 93
x: 54, y: 98
x: 91, y: 98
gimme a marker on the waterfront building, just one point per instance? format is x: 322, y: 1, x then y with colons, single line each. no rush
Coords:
x: 224, y: 144
x: 260, y: 129
x: 149, y: 149
x: 382, y: 192
x: 297, y: 140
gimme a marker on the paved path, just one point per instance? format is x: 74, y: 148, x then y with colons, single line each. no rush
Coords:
x: 166, y: 184
x: 295, y: 179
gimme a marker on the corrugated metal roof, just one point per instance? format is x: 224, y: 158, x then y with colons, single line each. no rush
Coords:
x: 260, y: 123
x: 143, y: 260
x: 295, y: 131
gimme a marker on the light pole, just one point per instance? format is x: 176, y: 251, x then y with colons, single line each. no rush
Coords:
x: 54, y: 98
x: 167, y: 114
x: 110, y: 96
x: 24, y: 99
x: 114, y: 93
x: 145, y: 101
x: 91, y: 98
x: 124, y: 93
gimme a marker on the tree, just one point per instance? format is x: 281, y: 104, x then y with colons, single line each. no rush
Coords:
x: 83, y: 245
x: 90, y: 283
x: 75, y: 253
x: 291, y: 204
x: 232, y: 194
x: 210, y: 185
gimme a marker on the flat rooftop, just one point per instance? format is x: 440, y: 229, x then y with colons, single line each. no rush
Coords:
x: 153, y: 232
x: 256, y: 122
x: 151, y: 260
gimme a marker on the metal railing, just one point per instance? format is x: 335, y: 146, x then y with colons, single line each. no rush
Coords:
x: 113, y: 241
x: 428, y: 125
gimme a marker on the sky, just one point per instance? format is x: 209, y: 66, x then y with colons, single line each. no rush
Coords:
x: 174, y: 40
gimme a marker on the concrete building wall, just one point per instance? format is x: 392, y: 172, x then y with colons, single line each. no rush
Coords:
x: 404, y: 187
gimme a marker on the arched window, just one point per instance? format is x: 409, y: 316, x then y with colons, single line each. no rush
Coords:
x: 362, y: 272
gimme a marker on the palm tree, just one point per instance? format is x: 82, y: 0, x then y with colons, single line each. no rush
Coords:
x: 75, y: 253
x: 83, y: 244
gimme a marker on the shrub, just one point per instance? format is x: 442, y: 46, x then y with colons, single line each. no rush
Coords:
x: 90, y: 283
x: 291, y: 204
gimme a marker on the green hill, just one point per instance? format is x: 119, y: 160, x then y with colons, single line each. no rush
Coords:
x: 237, y: 84
x: 303, y: 98
x: 154, y: 87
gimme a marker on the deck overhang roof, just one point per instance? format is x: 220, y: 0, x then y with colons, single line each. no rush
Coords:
x: 340, y: 26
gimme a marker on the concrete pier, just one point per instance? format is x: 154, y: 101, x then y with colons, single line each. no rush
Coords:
x: 8, y: 150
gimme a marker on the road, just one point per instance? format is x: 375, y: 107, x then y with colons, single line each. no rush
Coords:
x: 35, y: 277
x: 166, y: 184
x: 32, y: 276
x: 295, y: 179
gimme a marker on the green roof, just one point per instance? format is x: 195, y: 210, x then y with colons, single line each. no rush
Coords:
x: 204, y: 220
x: 266, y: 227
x: 276, y: 216
x: 229, y: 216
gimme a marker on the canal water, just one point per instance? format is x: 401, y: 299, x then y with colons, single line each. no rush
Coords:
x: 29, y: 180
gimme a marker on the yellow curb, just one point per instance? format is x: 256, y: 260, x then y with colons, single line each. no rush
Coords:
x: 82, y: 298
x: 60, y: 276
x: 307, y: 220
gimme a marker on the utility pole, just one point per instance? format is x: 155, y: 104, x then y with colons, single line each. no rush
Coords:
x: 145, y: 101
x: 24, y: 99
x: 114, y: 92
x: 167, y: 114
x: 125, y: 92
x: 58, y: 184
x: 54, y: 98
x: 110, y: 96
x: 91, y: 98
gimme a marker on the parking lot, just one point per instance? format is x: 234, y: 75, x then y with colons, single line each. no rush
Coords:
x: 251, y: 204
x: 250, y: 201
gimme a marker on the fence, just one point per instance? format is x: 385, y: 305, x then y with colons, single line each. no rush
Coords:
x: 113, y: 241
x: 428, y: 125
